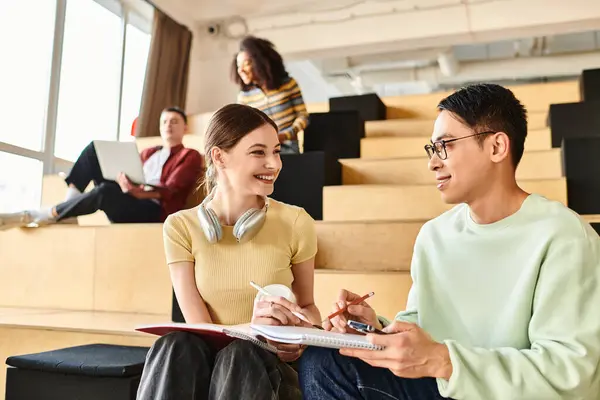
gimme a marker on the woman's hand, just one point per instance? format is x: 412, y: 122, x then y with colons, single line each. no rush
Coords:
x: 273, y: 310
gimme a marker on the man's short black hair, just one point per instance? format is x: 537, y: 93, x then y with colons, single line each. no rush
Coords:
x: 177, y: 110
x: 490, y: 107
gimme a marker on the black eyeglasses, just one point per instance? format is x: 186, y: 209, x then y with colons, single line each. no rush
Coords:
x: 439, y: 146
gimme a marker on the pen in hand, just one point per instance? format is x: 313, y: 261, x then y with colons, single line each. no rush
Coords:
x: 266, y: 293
x: 352, y: 303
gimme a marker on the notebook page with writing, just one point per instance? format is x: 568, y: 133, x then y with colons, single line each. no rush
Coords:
x: 216, y: 335
x: 313, y: 337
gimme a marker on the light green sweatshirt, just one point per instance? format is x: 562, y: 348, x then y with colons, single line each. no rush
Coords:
x: 517, y: 302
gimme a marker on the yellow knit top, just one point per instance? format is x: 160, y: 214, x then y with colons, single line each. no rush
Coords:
x: 223, y: 270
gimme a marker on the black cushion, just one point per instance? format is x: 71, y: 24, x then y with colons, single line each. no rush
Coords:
x: 103, y: 360
x: 369, y: 106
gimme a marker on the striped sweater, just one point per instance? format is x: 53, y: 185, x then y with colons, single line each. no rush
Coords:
x: 284, y: 105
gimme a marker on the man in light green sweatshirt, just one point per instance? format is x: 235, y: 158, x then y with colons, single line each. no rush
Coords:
x: 506, y: 285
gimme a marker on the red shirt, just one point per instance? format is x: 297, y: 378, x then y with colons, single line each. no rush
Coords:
x: 180, y: 176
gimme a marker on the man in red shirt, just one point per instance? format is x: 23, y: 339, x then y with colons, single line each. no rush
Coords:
x: 172, y: 168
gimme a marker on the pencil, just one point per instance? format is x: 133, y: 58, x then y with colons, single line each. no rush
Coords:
x: 352, y: 303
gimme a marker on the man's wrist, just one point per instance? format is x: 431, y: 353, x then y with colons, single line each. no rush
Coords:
x: 443, y: 364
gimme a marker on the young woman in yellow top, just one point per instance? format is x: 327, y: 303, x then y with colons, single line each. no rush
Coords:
x: 235, y: 236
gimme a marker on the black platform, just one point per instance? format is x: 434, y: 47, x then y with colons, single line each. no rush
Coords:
x: 300, y: 182
x: 336, y: 133
x: 176, y: 314
x: 589, y: 85
x: 581, y: 166
x: 596, y: 227
x: 369, y: 106
x: 574, y: 120
x: 90, y: 372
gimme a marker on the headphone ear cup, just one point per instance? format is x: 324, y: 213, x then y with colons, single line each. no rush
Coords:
x: 212, y: 231
x: 249, y: 224
x: 215, y: 223
x: 239, y: 227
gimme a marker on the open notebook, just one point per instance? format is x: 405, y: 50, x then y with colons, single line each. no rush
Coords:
x: 313, y: 337
x: 215, y: 335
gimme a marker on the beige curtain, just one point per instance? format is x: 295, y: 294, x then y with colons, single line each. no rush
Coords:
x: 166, y: 74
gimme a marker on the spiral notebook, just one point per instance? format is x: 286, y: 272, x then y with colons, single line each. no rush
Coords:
x: 218, y: 336
x: 313, y: 337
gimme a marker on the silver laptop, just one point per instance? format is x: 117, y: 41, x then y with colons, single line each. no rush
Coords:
x: 116, y: 157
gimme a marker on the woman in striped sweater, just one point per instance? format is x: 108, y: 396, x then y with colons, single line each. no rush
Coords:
x: 265, y: 84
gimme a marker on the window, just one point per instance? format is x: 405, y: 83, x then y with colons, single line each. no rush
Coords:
x: 88, y: 99
x: 136, y: 57
x: 22, y: 190
x: 73, y: 72
x: 26, y: 40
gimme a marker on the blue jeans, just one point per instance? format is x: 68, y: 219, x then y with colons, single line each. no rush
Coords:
x: 326, y: 374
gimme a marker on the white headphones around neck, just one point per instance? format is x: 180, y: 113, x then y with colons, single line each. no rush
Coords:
x: 244, y: 229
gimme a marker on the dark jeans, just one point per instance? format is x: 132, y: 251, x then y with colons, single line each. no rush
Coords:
x: 325, y: 374
x: 181, y: 366
x: 106, y: 195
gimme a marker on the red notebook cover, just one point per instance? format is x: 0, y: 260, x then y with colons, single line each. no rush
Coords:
x: 216, y: 336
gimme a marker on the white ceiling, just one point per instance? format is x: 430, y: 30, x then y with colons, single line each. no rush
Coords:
x: 426, y: 70
x: 411, y: 66
x: 207, y: 10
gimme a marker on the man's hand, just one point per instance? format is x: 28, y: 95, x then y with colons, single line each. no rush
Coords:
x: 409, y: 352
x: 361, y: 312
x: 126, y: 185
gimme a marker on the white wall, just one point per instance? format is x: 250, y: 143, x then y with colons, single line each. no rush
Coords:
x: 209, y: 87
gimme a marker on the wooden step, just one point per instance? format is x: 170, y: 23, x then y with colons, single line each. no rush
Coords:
x: 535, y: 97
x: 408, y: 203
x: 91, y: 322
x: 592, y: 218
x: 408, y: 171
x: 25, y: 331
x: 409, y: 127
x: 393, y: 147
x: 399, y: 128
x: 101, y: 268
x: 366, y: 246
x: 391, y: 289
x: 322, y: 107
x: 373, y: 246
x: 86, y: 268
